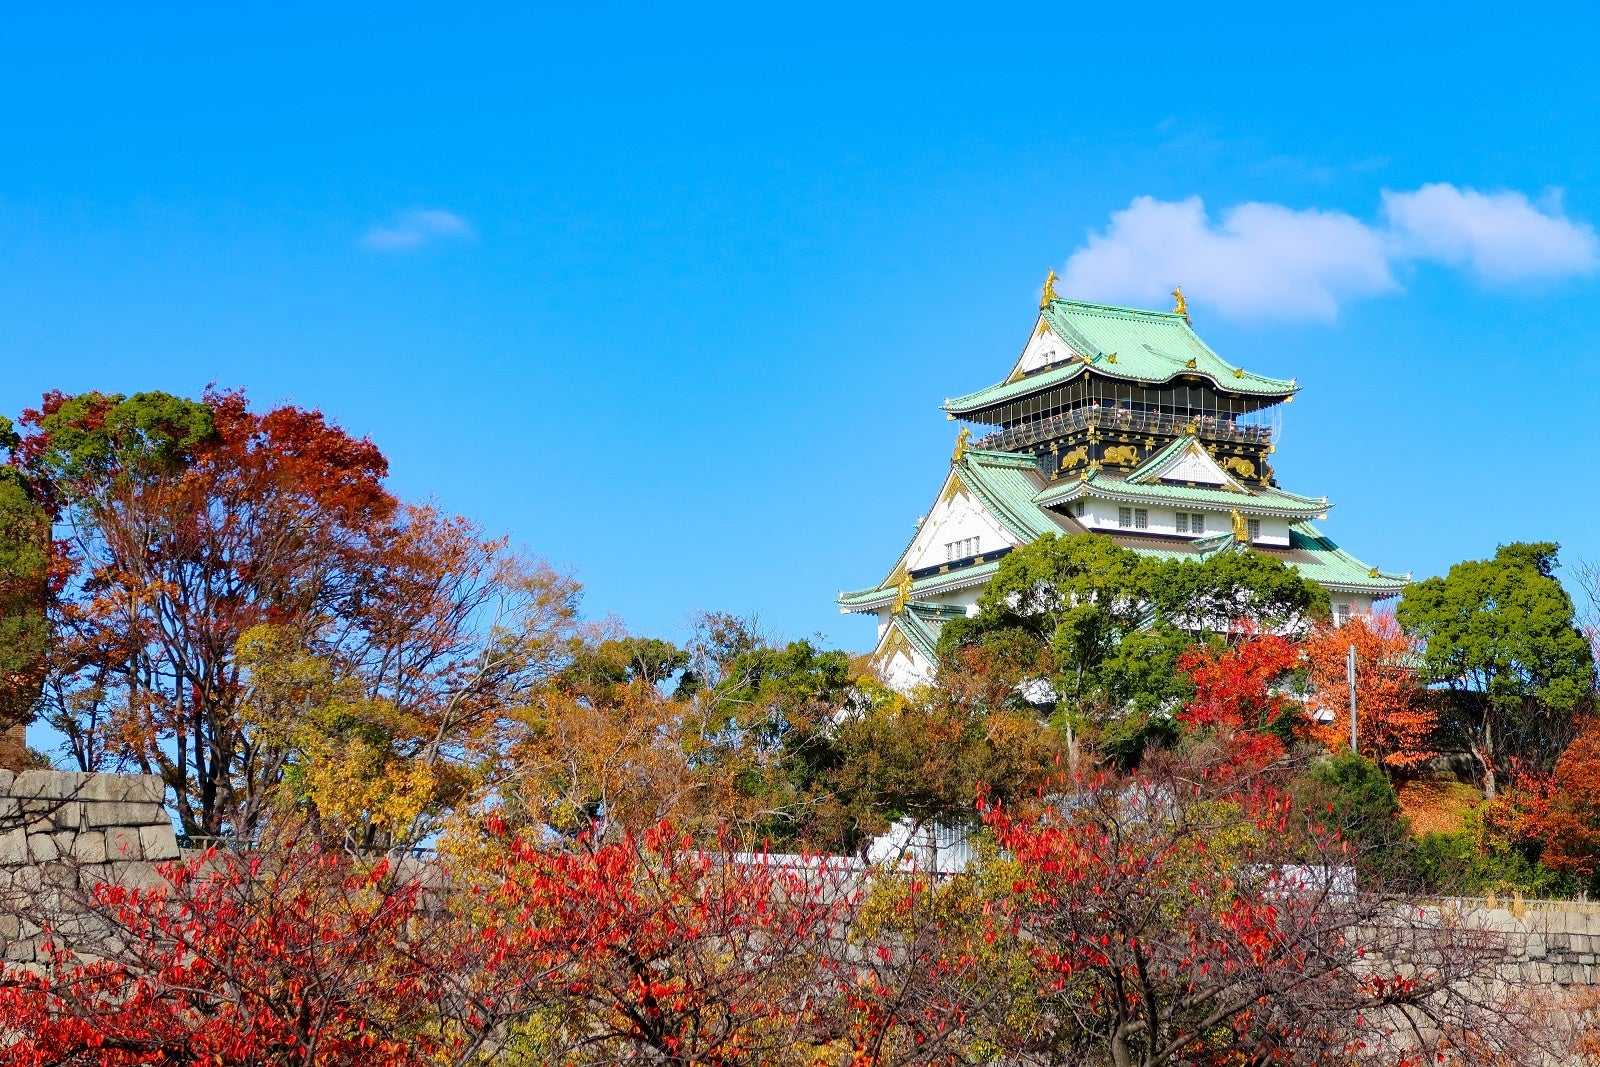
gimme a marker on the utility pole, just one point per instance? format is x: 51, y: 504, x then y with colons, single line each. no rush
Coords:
x: 1350, y: 681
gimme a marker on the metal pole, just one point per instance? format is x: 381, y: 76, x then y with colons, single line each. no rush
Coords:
x: 1350, y: 681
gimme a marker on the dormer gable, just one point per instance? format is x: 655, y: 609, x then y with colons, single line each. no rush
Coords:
x: 1045, y: 348
x: 1185, y: 462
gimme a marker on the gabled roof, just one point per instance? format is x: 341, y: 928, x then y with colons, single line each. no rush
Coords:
x: 921, y: 624
x: 1184, y: 452
x: 1127, y: 344
x: 1006, y: 484
x: 930, y: 585
x: 1247, y: 500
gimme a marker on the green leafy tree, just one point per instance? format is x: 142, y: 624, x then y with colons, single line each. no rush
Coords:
x: 1500, y: 638
x: 1096, y: 630
x: 24, y: 628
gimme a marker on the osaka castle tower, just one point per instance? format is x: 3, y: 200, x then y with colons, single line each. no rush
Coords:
x: 1113, y: 421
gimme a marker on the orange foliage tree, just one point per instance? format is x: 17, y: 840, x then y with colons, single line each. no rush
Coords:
x: 1561, y: 810
x: 1394, y: 720
x: 182, y: 526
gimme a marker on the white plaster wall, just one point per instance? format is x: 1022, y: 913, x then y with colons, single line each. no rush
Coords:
x: 1359, y: 605
x: 906, y: 670
x: 954, y: 519
x: 1102, y: 515
x: 1041, y: 350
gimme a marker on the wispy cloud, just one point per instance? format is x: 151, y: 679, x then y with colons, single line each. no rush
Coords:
x: 1271, y: 261
x: 413, y: 229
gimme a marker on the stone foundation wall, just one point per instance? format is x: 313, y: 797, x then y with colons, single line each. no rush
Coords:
x: 61, y: 831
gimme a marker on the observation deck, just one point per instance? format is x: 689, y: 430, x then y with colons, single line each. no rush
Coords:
x: 1053, y: 427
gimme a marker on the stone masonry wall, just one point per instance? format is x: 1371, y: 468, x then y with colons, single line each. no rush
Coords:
x: 60, y: 831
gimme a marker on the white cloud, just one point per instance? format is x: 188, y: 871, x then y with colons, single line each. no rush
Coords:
x: 1501, y: 236
x: 1263, y: 260
x: 413, y: 229
x: 1271, y: 261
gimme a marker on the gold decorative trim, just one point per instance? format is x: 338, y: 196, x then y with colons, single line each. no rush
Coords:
x: 1049, y: 293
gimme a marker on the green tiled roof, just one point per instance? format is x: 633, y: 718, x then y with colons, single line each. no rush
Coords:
x: 1010, y: 488
x: 1310, y: 552
x: 1252, y: 500
x: 1150, y: 347
x: 921, y: 624
x: 1335, y: 568
x: 1008, y: 484
x: 881, y: 596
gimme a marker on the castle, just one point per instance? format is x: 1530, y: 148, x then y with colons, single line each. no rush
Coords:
x: 1115, y: 421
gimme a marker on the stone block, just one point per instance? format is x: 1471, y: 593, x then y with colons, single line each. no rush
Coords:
x: 90, y: 847
x: 42, y: 848
x: 10, y: 927
x: 93, y: 874
x: 48, y: 785
x: 14, y: 847
x: 158, y: 842
x: 68, y: 815
x: 124, y: 813
x: 123, y: 788
x: 1566, y: 975
x: 136, y: 875
x: 122, y: 843
x: 20, y: 952
x: 1535, y: 948
x: 6, y: 778
x: 10, y: 809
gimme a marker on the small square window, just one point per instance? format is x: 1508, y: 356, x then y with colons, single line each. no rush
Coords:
x: 1197, y: 523
x: 1079, y: 507
x: 1125, y: 518
x: 1141, y: 519
x: 1183, y: 522
x: 1253, y: 528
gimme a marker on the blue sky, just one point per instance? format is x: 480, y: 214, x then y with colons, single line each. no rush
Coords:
x: 672, y: 294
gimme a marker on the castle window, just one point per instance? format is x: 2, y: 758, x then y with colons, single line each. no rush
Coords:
x: 954, y: 550
x: 1125, y: 518
x: 1341, y: 613
x: 1079, y: 508
x: 1141, y: 519
x: 1183, y: 522
x: 1253, y: 528
x: 1197, y: 523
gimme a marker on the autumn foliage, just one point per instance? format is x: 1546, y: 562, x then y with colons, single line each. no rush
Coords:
x: 1395, y: 720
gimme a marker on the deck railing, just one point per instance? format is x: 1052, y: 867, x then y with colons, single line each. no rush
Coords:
x: 1208, y: 426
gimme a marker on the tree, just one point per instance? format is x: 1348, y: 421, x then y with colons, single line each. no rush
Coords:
x: 183, y: 526
x: 1499, y: 637
x: 1178, y: 916
x: 1395, y: 719
x: 650, y: 949
x: 1104, y: 627
x: 307, y: 959
x: 1563, y: 816
x: 24, y: 592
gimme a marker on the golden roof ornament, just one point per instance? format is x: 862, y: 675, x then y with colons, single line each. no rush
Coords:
x: 1049, y: 294
x: 1182, y: 306
x: 1241, y: 529
x: 961, y: 444
x: 902, y: 593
